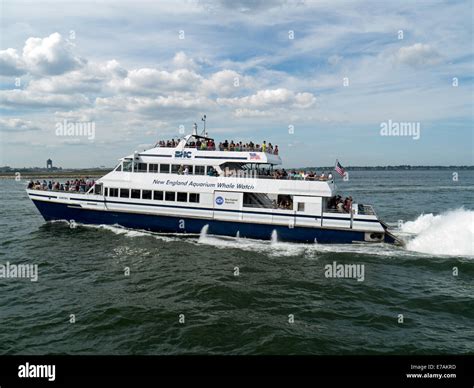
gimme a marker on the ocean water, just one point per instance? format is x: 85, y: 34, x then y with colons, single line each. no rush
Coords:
x: 202, y: 294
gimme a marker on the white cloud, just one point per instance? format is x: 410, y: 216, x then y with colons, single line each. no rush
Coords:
x: 17, y: 125
x: 11, y: 63
x: 226, y: 82
x: 147, y: 80
x: 418, y: 55
x: 149, y: 105
x: 269, y: 98
x: 30, y: 99
x: 252, y: 113
x: 182, y: 61
x: 51, y: 55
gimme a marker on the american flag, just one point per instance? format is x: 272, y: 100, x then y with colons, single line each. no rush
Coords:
x: 339, y: 169
x: 254, y: 156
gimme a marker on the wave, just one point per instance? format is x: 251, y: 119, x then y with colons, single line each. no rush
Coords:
x: 450, y: 233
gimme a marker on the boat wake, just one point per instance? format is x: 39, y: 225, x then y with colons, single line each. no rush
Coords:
x: 450, y: 233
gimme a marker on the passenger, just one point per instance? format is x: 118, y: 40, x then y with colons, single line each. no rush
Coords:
x: 349, y: 204
x: 275, y: 151
x: 346, y: 205
x: 30, y: 184
x: 264, y: 147
x: 340, y: 206
x: 225, y: 145
x: 186, y: 170
x: 180, y: 170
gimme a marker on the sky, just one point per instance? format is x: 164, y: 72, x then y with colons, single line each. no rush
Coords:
x: 87, y: 82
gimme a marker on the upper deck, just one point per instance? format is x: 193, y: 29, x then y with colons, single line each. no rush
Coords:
x: 200, y: 150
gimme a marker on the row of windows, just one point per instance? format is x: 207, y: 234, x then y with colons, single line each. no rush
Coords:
x: 156, y: 195
x: 165, y: 168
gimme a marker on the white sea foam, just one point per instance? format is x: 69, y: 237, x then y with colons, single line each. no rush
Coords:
x: 450, y: 233
x: 120, y: 230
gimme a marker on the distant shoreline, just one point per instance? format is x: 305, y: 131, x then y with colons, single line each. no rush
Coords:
x: 31, y: 174
x: 77, y: 173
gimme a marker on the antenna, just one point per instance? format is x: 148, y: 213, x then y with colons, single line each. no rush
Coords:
x: 204, y: 120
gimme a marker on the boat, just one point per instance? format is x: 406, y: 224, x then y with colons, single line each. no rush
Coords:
x: 190, y: 185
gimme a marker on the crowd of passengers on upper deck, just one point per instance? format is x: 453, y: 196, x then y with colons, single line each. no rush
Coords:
x: 210, y: 145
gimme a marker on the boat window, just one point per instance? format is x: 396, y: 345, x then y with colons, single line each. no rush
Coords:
x: 170, y: 196
x: 175, y: 168
x: 301, y: 206
x: 158, y: 195
x: 106, y: 191
x: 127, y: 166
x: 182, y: 197
x: 141, y: 167
x: 285, y: 201
x: 146, y: 194
x: 119, y: 167
x: 135, y: 193
x: 113, y: 192
x: 98, y: 189
x: 190, y: 169
x: 153, y: 167
x: 194, y: 197
x: 199, y: 170
x: 164, y: 168
x: 124, y: 193
x: 261, y: 200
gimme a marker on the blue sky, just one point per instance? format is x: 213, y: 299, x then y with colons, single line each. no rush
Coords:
x: 122, y: 66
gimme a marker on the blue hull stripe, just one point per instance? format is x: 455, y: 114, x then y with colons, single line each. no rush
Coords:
x: 168, y: 224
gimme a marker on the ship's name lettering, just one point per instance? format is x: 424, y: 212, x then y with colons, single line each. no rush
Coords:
x: 173, y: 183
